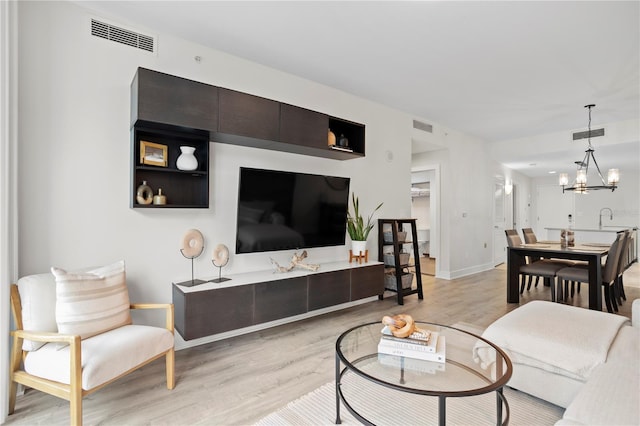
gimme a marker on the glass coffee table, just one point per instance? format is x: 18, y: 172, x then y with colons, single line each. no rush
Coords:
x: 387, y: 389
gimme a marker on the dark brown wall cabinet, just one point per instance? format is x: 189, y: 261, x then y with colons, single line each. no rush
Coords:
x: 203, y: 313
x: 299, y: 126
x: 240, y: 118
x: 162, y: 98
x: 245, y: 115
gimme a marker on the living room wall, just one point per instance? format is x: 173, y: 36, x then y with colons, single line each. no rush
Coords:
x: 467, y: 176
x: 74, y: 153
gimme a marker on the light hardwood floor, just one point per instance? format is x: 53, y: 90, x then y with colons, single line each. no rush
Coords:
x: 239, y: 380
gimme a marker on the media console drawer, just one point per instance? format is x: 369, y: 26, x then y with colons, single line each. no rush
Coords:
x: 206, y: 310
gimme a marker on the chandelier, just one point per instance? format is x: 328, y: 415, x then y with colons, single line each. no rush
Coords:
x: 579, y: 185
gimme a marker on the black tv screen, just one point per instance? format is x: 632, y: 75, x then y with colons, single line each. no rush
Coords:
x: 280, y: 210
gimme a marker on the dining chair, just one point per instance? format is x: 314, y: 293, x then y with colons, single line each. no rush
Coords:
x: 580, y: 274
x: 534, y: 268
x: 623, y: 262
x: 530, y: 238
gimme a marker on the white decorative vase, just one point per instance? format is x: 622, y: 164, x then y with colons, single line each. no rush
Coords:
x: 186, y: 160
x: 358, y: 247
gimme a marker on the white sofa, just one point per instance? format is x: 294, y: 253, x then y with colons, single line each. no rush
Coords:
x: 586, y: 361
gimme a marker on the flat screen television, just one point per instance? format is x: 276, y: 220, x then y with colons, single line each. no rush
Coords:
x: 280, y: 210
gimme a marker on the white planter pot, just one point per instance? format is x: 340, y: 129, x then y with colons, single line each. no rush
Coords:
x: 358, y: 247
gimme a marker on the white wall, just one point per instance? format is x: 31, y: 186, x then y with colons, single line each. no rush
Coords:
x: 74, y: 160
x: 466, y: 201
x: 585, y: 208
x: 8, y: 209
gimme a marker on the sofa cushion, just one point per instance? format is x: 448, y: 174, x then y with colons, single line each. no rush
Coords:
x: 38, y: 300
x: 92, y: 302
x: 557, y: 338
x: 104, y: 357
x: 610, y: 397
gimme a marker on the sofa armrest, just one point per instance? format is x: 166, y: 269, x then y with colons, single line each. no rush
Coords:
x: 167, y: 306
x: 635, y: 313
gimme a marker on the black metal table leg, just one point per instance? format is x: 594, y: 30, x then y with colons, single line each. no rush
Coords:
x: 442, y: 411
x: 338, y: 421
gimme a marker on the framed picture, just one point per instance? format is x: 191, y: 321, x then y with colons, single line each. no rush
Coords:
x: 153, y: 154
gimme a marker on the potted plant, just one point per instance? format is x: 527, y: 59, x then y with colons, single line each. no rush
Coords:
x: 357, y: 228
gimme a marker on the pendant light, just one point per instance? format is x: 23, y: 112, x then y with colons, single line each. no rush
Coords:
x: 580, y: 185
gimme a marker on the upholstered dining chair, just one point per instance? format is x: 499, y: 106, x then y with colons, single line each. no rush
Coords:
x: 530, y: 238
x: 534, y: 268
x: 74, y: 335
x: 580, y: 274
x: 623, y: 263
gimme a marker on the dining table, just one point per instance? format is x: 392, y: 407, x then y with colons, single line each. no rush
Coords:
x: 592, y: 253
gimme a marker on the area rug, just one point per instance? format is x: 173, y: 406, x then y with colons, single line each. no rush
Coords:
x: 319, y: 408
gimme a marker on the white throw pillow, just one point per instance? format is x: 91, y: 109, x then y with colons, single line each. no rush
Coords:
x: 38, y: 300
x: 92, y: 302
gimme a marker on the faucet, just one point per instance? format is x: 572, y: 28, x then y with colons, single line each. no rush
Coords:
x: 600, y: 216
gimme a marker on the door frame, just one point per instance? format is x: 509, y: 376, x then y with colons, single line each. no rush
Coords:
x: 434, y: 204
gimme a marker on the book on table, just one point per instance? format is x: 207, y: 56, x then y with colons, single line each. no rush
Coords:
x: 421, y: 341
x: 413, y: 344
x: 391, y: 347
x: 411, y: 364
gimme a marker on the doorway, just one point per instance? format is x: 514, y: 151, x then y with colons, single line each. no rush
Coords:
x: 424, y: 210
x: 504, y: 217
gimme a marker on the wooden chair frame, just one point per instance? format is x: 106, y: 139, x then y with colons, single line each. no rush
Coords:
x: 72, y: 392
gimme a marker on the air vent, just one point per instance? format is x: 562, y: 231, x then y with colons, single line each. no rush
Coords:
x: 585, y: 134
x: 123, y: 36
x: 422, y: 126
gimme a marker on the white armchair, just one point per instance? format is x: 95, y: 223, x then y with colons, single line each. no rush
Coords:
x: 75, y: 364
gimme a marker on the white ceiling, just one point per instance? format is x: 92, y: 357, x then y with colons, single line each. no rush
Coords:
x: 498, y: 70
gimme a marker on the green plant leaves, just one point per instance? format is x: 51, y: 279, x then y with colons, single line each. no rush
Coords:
x: 356, y: 227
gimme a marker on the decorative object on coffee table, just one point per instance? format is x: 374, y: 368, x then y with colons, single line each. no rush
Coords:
x: 296, y: 261
x: 192, y: 246
x: 220, y: 259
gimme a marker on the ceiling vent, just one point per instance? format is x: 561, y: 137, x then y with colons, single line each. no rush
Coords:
x: 122, y: 36
x: 585, y: 134
x: 422, y: 126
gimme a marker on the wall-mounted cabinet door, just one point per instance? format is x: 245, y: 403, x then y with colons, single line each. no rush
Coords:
x: 167, y: 99
x: 246, y: 115
x: 367, y: 281
x: 299, y: 126
x: 280, y: 299
x: 328, y: 289
x: 204, y: 313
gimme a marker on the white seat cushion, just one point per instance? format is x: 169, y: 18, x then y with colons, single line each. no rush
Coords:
x: 104, y: 357
x: 38, y: 300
